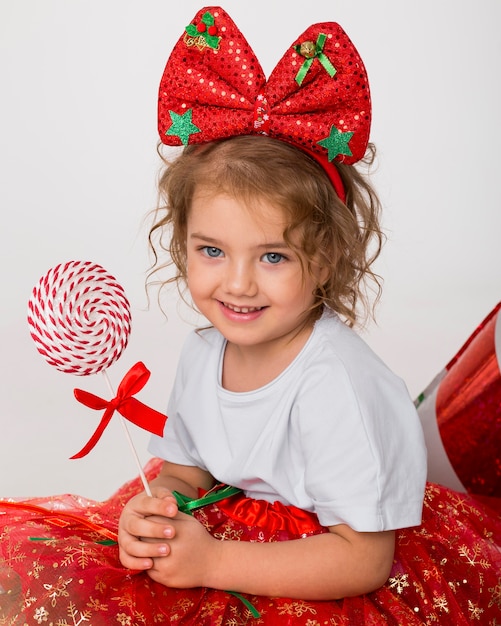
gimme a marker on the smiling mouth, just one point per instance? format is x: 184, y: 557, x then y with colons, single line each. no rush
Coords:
x: 242, y: 309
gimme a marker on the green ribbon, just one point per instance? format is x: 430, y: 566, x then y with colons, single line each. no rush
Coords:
x: 252, y: 609
x: 104, y: 542
x: 318, y: 54
x: 220, y: 492
x: 186, y: 504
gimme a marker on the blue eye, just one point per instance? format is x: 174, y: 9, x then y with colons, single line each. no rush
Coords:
x: 273, y: 257
x: 212, y: 251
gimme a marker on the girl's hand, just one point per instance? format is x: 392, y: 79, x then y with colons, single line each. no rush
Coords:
x: 144, y: 526
x: 192, y: 553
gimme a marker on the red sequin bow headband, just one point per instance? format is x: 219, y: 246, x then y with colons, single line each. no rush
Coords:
x: 317, y: 98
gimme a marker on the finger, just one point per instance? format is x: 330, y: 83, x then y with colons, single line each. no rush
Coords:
x: 141, y: 563
x: 152, y: 527
x: 147, y: 508
x: 135, y: 563
x: 166, y: 495
x: 138, y: 547
x: 162, y: 503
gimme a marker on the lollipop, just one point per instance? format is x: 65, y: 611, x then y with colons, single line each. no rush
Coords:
x: 79, y: 318
x: 80, y: 321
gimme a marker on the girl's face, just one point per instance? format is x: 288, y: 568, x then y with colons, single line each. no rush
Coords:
x: 242, y: 275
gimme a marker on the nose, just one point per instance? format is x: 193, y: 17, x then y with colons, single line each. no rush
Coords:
x: 240, y: 279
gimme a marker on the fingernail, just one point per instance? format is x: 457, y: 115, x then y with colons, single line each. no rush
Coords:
x: 162, y: 550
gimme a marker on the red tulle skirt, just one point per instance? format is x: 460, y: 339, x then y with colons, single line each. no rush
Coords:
x: 59, y: 566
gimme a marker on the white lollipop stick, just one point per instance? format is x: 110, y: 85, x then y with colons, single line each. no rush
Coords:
x: 129, y: 439
x: 80, y: 322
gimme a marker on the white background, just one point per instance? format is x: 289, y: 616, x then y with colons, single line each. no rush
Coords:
x: 78, y: 98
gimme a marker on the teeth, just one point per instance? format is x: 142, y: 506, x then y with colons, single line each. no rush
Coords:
x: 243, y: 309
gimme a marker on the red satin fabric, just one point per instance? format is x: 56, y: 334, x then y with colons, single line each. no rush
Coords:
x: 445, y: 572
x: 276, y: 518
x: 468, y: 408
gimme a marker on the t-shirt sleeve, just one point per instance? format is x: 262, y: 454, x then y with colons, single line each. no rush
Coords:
x: 175, y: 444
x: 363, y: 449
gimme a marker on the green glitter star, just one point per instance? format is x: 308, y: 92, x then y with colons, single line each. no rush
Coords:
x: 182, y: 126
x: 336, y: 143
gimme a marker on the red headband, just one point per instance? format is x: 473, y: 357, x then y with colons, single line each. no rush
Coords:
x: 317, y: 98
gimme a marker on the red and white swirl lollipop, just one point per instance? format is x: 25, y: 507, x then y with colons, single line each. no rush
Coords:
x: 79, y: 318
x: 80, y: 321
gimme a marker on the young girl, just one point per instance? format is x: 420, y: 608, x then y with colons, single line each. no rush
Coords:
x: 289, y: 484
x: 279, y: 398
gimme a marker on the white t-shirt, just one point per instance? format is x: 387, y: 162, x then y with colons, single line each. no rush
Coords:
x: 335, y: 433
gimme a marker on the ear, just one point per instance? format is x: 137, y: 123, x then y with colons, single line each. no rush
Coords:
x: 323, y: 274
x: 320, y: 272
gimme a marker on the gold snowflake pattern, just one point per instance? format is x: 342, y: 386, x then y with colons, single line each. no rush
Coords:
x: 431, y: 492
x: 474, y: 610
x: 128, y: 601
x: 472, y: 556
x: 338, y: 620
x: 297, y: 608
x: 13, y: 552
x: 96, y: 605
x: 210, y: 608
x: 183, y: 605
x: 40, y: 615
x: 241, y: 616
x: 58, y: 590
x: 101, y: 586
x: 201, y: 516
x: 125, y: 600
x: 77, y: 617
x: 399, y: 582
x: 460, y: 503
x: 36, y: 569
x: 82, y: 555
x: 229, y: 533
x: 434, y: 573
x: 440, y: 602
x: 28, y: 599
x: 496, y: 594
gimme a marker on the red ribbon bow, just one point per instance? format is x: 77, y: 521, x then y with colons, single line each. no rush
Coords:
x: 215, y: 88
x: 132, y: 409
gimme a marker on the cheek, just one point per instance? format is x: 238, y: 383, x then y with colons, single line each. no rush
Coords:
x: 292, y: 290
x: 197, y: 280
x: 190, y: 265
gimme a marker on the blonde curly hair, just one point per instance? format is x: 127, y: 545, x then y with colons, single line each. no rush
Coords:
x: 346, y: 238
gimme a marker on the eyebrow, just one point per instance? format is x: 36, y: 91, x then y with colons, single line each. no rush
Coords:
x: 204, y: 238
x: 216, y: 242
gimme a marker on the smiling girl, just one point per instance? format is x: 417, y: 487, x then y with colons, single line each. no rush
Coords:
x: 274, y: 233
x: 279, y: 397
x: 289, y: 483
